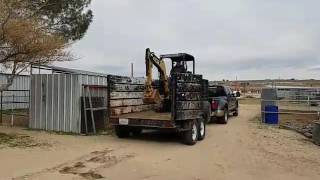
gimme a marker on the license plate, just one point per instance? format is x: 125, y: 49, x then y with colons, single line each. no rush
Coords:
x: 123, y: 121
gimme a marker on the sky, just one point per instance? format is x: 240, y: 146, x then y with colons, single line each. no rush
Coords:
x: 231, y: 39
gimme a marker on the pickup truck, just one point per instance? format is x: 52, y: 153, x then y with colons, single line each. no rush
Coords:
x: 223, y: 103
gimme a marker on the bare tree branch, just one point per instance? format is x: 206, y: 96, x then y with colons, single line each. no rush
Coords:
x: 26, y: 39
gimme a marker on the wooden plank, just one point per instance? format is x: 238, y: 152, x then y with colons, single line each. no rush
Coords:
x: 188, y: 105
x: 84, y: 109
x: 125, y: 80
x: 127, y: 88
x: 147, y: 115
x: 91, y: 112
x: 126, y: 95
x: 126, y: 102
x: 187, y: 114
x: 188, y: 87
x: 130, y: 109
x: 188, y: 96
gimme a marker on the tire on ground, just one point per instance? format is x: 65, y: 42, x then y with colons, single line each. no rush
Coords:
x: 207, y: 112
x: 236, y: 112
x: 122, y: 131
x: 225, y: 118
x: 190, y: 136
x: 136, y: 131
x: 201, y: 129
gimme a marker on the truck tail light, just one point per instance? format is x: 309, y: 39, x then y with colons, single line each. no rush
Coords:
x: 214, y: 105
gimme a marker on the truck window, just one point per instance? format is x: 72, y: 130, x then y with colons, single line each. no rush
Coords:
x: 217, y: 91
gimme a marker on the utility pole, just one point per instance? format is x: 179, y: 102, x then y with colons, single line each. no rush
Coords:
x: 132, y: 70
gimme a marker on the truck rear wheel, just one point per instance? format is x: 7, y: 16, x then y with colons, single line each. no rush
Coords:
x: 236, y: 112
x: 201, y: 129
x: 225, y: 118
x: 190, y: 137
x: 207, y: 112
x: 122, y: 131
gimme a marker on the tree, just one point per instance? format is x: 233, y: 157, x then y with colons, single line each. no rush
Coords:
x: 25, y: 39
x: 69, y: 18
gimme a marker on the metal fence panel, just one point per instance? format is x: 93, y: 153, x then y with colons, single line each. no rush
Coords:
x: 55, y: 102
x: 20, y: 82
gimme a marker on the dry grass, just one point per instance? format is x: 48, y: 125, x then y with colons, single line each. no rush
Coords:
x: 250, y: 101
x: 19, y: 141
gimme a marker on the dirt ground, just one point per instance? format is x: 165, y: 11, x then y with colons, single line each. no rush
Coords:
x: 243, y: 149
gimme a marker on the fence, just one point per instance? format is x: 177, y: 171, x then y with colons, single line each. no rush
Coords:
x: 14, y: 107
x: 299, y: 113
x: 301, y: 104
x: 93, y: 108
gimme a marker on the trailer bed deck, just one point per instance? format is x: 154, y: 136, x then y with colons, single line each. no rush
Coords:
x: 147, y: 115
x: 147, y: 119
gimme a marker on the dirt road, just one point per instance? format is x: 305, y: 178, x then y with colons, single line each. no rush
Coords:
x: 241, y: 150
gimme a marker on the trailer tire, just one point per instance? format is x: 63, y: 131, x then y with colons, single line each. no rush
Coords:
x: 122, y: 131
x: 190, y: 137
x: 136, y: 131
x: 201, y: 129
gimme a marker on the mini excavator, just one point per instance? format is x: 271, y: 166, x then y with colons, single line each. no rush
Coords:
x: 179, y: 65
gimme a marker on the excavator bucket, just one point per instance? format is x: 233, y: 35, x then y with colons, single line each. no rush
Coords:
x: 152, y: 98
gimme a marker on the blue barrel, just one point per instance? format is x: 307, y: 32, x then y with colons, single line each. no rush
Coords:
x: 272, y: 117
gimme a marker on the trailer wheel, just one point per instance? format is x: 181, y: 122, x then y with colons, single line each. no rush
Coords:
x: 201, y: 129
x: 190, y: 137
x: 136, y: 131
x: 122, y: 131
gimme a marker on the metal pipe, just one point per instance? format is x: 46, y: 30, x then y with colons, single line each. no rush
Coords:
x: 1, y: 109
x: 12, y: 110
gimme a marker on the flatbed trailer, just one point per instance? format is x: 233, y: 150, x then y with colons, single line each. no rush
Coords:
x: 188, y: 103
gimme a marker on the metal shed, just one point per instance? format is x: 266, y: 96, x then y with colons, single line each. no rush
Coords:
x: 57, y: 99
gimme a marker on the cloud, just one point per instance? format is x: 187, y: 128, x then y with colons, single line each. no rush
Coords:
x: 250, y: 39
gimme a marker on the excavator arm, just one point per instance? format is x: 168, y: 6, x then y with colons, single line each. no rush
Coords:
x: 152, y: 95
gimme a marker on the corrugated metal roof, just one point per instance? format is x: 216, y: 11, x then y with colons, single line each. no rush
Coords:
x: 57, y: 69
x: 292, y: 87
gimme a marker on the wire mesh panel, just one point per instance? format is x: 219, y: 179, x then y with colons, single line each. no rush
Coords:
x: 14, y: 107
x: 93, y: 108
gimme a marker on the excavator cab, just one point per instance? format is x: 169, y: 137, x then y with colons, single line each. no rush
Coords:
x: 179, y: 62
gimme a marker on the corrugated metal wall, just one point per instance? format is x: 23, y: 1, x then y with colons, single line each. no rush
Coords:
x: 56, y: 101
x: 20, y: 82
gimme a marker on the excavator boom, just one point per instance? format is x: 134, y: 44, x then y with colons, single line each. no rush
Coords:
x: 151, y: 95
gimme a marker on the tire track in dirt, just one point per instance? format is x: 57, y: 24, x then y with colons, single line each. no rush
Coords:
x: 86, y: 166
